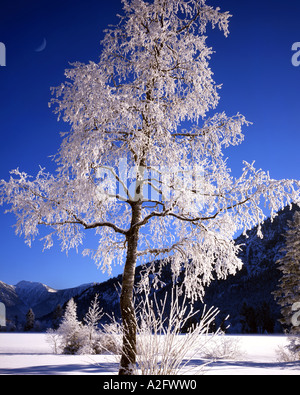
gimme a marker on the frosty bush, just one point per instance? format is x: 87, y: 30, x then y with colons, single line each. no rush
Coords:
x: 75, y: 337
x: 162, y: 348
x: 294, y: 346
x: 291, y: 352
x: 221, y: 347
x: 54, y: 339
x: 111, y: 338
x: 87, y: 337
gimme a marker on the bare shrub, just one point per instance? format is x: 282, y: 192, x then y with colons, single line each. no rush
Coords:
x: 223, y: 347
x: 162, y: 348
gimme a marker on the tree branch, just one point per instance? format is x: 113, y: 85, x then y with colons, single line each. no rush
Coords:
x: 78, y: 221
x: 186, y: 219
x: 165, y: 250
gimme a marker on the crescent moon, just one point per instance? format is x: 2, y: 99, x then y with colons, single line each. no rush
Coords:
x: 41, y: 47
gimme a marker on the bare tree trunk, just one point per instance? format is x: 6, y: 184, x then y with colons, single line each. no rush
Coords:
x: 128, y: 358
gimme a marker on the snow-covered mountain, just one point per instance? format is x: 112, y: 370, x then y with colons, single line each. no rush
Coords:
x: 40, y: 297
x: 33, y: 292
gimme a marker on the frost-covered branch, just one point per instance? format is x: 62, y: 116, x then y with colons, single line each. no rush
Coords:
x: 86, y: 226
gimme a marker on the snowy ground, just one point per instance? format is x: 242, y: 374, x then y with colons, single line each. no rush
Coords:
x: 31, y: 354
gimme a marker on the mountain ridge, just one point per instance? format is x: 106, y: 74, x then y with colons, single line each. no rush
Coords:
x: 38, y: 296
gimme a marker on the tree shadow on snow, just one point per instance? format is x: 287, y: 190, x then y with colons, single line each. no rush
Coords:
x: 231, y: 365
x: 93, y: 368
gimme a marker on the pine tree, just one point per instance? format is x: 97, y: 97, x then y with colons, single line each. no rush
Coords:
x: 248, y: 319
x: 265, y: 322
x: 71, y: 330
x: 30, y: 320
x: 288, y: 293
x: 57, y: 316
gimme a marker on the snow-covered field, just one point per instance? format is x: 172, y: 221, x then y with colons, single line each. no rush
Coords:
x: 31, y: 354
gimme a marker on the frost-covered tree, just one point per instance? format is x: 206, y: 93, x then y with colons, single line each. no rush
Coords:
x: 91, y: 319
x: 94, y: 314
x: 288, y: 292
x: 143, y: 163
x: 70, y: 330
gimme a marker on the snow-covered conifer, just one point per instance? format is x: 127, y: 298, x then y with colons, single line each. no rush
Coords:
x: 70, y: 330
x: 288, y: 292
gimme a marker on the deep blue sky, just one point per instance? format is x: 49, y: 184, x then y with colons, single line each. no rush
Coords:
x: 253, y: 64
